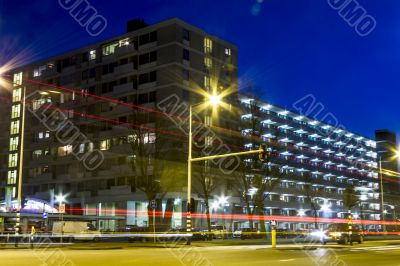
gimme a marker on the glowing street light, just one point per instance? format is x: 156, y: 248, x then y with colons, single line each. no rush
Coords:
x: 215, y: 100
x: 301, y: 212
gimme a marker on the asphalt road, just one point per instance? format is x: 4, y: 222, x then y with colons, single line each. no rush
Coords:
x: 380, y: 253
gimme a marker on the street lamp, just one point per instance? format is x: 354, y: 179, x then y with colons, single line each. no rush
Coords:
x: 213, y: 100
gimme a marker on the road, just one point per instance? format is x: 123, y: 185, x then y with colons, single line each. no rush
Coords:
x: 380, y: 253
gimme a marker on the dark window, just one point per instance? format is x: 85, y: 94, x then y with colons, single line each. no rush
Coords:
x: 148, y: 77
x: 186, y: 55
x: 123, y: 61
x: 148, y: 37
x: 123, y: 80
x: 152, y: 96
x: 185, y: 35
x: 185, y: 74
x: 85, y: 74
x: 185, y: 95
x: 148, y: 58
x: 92, y: 73
x: 143, y: 98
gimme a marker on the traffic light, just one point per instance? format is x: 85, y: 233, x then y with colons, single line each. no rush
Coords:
x: 262, y: 155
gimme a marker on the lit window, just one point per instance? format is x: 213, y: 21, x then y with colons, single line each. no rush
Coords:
x: 209, y: 141
x: 109, y: 49
x: 37, y: 154
x: 228, y: 51
x: 18, y: 79
x: 15, y: 111
x: 12, y: 160
x: 105, y: 145
x: 208, y: 45
x: 82, y: 148
x: 207, y: 83
x: 207, y: 62
x: 37, y: 72
x: 16, y: 97
x: 64, y: 150
x: 124, y: 42
x: 12, y: 177
x: 149, y: 138
x: 14, y: 127
x: 92, y: 55
x: 14, y: 143
x: 208, y: 121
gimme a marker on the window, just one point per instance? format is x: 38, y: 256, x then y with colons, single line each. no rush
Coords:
x: 148, y: 38
x: 105, y: 145
x: 43, y: 135
x: 37, y: 72
x: 149, y: 138
x: 143, y: 98
x: 12, y: 160
x: 92, y: 55
x: 208, y: 121
x: 207, y: 83
x: 207, y: 62
x: 12, y: 177
x: 17, y: 79
x: 15, y: 111
x: 16, y: 96
x: 148, y: 58
x: 185, y: 74
x: 14, y: 127
x: 185, y: 35
x: 152, y: 96
x: 228, y: 51
x: 37, y: 154
x: 208, y: 45
x: 209, y: 141
x: 14, y: 143
x: 186, y: 55
x: 124, y: 42
x: 109, y: 49
x: 148, y: 77
x: 64, y: 150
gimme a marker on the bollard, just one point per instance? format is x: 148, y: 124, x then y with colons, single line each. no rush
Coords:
x: 273, y: 237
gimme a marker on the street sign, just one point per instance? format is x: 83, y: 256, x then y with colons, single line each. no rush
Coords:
x: 45, y: 215
x: 153, y: 204
x: 61, y: 208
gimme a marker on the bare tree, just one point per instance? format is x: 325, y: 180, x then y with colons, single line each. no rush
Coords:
x: 207, y: 179
x: 155, y: 164
x: 313, y: 195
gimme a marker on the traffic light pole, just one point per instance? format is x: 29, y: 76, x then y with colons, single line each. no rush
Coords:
x: 212, y: 157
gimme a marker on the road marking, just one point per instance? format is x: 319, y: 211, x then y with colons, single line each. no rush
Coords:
x: 287, y: 260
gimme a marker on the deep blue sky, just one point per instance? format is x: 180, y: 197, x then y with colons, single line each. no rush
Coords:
x: 289, y: 48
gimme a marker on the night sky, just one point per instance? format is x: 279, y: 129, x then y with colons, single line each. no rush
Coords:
x: 287, y: 48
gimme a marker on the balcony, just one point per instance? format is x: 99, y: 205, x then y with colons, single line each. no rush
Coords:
x: 123, y: 88
x: 124, y: 69
x: 124, y: 50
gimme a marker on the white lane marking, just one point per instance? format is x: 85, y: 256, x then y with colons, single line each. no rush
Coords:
x: 287, y: 260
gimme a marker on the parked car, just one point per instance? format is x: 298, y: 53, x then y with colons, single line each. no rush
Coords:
x: 340, y: 233
x: 247, y: 233
x: 219, y: 232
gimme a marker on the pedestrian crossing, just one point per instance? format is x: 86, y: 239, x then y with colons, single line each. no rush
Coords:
x: 377, y: 248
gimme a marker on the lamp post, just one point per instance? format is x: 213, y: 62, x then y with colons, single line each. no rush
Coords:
x: 213, y: 100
